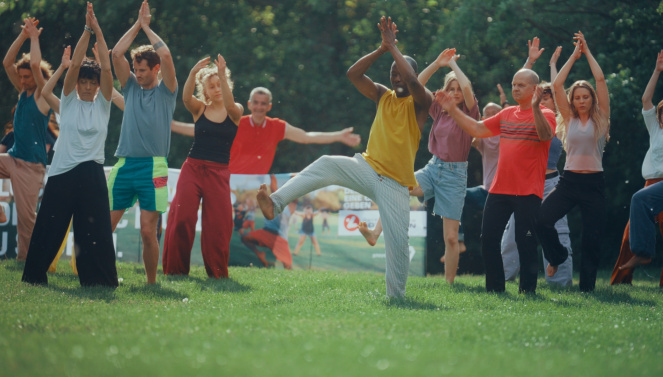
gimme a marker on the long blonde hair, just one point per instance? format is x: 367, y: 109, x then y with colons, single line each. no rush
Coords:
x: 205, y: 74
x: 599, y: 119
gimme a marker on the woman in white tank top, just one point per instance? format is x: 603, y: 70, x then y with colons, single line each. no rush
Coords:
x: 584, y: 132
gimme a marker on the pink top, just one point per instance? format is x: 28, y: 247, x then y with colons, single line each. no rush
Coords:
x: 582, y: 151
x: 447, y: 140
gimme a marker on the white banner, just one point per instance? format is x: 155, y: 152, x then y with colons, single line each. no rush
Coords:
x: 348, y: 222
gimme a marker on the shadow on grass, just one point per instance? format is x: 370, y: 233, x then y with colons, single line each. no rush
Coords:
x: 156, y: 291
x: 212, y: 284
x: 98, y: 293
x: 411, y: 304
x: 12, y: 264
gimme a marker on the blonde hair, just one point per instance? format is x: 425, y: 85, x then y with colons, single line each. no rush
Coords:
x: 599, y: 119
x: 659, y: 112
x: 448, y: 79
x: 24, y: 63
x: 203, y: 76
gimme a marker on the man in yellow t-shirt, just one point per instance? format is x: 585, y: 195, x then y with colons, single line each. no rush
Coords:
x: 385, y: 171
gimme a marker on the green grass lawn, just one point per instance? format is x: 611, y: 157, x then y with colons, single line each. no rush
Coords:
x: 316, y: 323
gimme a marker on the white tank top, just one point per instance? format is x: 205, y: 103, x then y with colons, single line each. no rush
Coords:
x: 582, y: 151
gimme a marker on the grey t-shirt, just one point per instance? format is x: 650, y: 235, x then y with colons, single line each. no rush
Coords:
x: 146, y: 123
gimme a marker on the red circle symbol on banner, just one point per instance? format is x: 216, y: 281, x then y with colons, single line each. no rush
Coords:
x: 351, y: 222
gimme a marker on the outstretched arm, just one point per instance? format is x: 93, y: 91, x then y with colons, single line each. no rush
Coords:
x: 106, y: 84
x: 648, y: 95
x: 234, y: 109
x: 167, y: 65
x: 186, y: 129
x: 442, y: 60
x: 52, y: 100
x: 344, y: 136
x: 10, y: 58
x: 558, y: 85
x: 533, y: 52
x: 601, y: 85
x: 471, y: 126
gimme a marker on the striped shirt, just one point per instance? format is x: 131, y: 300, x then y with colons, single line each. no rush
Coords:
x: 521, y: 167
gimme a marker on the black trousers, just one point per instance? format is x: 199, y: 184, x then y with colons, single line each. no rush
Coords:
x: 587, y: 192
x: 496, y: 215
x: 83, y: 194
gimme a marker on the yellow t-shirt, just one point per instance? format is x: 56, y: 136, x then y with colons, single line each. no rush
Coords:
x: 394, y: 139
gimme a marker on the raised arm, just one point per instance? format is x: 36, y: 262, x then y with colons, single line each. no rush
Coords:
x: 422, y: 98
x: 344, y: 136
x: 47, y: 92
x: 601, y: 85
x: 503, y: 100
x: 106, y: 84
x: 235, y: 110
x: 167, y: 65
x: 358, y: 78
x: 543, y: 128
x: 120, y: 62
x: 442, y: 60
x: 10, y: 58
x: 558, y: 85
x: 648, y: 95
x: 553, y: 63
x: 533, y: 52
x: 71, y: 78
x: 193, y: 104
x: 463, y: 82
x: 471, y: 126
x: 35, y: 56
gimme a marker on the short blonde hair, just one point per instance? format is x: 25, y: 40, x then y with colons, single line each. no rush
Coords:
x: 205, y: 74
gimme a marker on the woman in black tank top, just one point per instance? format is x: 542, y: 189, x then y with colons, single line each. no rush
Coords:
x: 204, y: 174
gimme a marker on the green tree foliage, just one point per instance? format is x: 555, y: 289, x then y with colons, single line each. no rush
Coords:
x: 301, y: 49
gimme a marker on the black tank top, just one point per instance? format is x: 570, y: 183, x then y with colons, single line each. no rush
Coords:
x: 212, y: 141
x: 307, y: 225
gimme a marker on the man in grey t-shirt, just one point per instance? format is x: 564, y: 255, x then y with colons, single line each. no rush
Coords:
x: 142, y: 172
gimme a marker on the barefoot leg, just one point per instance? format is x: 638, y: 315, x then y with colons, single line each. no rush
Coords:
x: 635, y: 262
x: 265, y: 202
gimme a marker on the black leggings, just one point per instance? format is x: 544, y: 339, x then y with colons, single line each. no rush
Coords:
x: 81, y: 193
x: 496, y: 215
x: 587, y: 192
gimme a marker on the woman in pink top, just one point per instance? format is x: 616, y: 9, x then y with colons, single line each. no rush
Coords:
x: 584, y: 132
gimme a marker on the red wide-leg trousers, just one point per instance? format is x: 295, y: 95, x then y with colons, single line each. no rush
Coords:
x: 209, y: 181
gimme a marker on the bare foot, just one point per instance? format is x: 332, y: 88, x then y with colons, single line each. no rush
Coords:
x: 442, y: 259
x: 371, y: 238
x: 461, y: 247
x: 551, y: 270
x: 265, y: 202
x: 3, y: 217
x: 634, y: 262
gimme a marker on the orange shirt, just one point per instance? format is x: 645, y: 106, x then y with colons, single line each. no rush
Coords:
x: 521, y: 167
x: 255, y: 145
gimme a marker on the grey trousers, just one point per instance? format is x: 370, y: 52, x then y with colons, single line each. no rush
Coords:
x: 393, y: 202
x: 564, y: 275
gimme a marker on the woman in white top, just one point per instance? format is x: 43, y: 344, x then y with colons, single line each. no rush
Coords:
x: 76, y: 181
x: 652, y: 170
x: 584, y: 132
